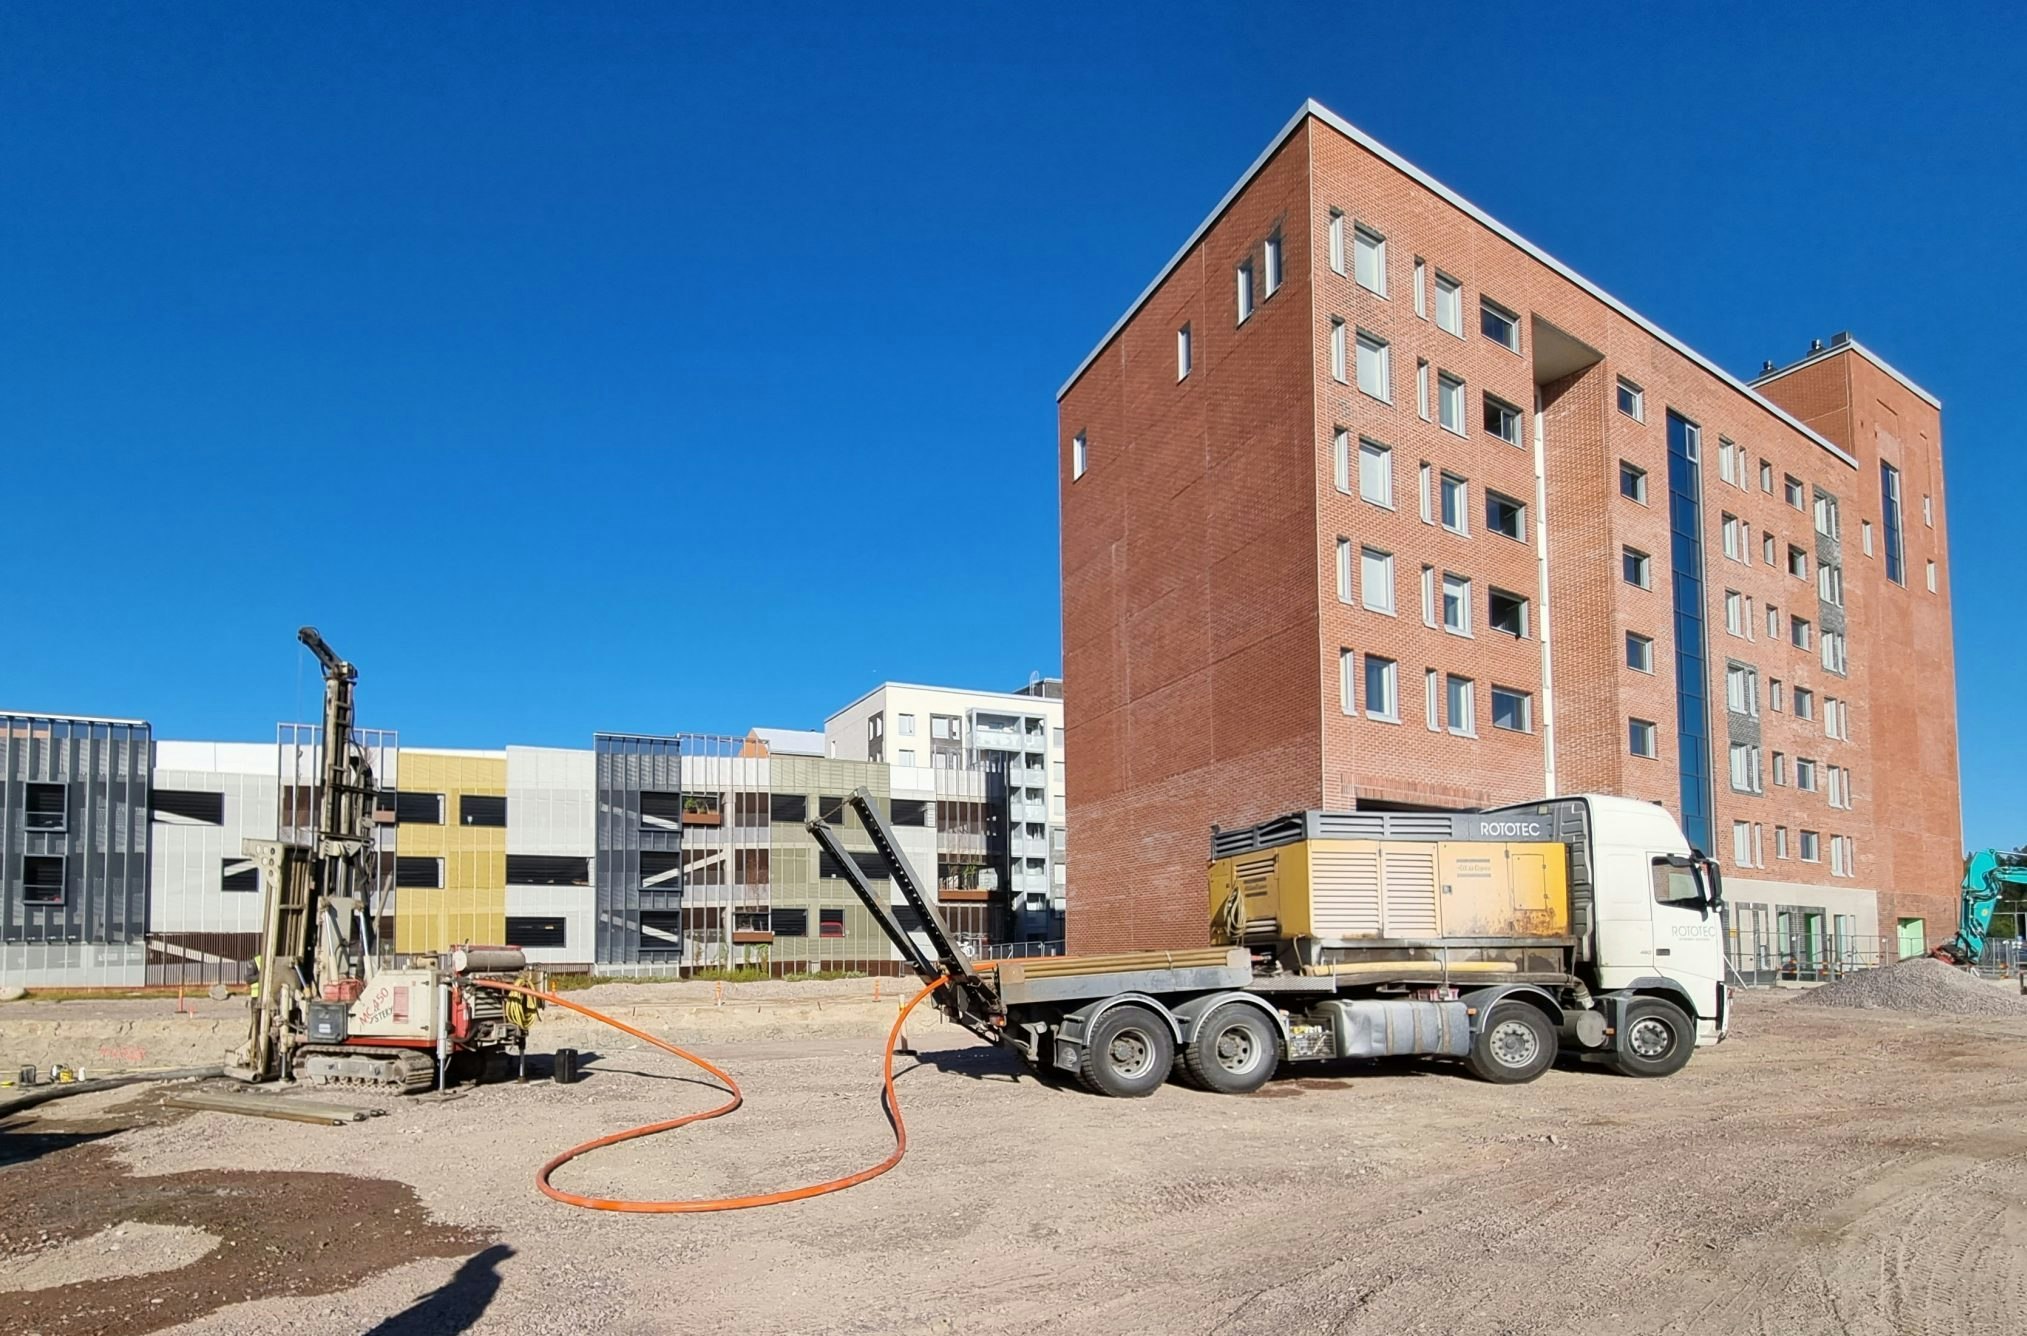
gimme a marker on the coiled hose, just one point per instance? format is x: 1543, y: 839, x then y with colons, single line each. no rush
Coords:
x: 891, y: 1102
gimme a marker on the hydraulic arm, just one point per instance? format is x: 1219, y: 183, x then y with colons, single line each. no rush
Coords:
x: 1987, y: 874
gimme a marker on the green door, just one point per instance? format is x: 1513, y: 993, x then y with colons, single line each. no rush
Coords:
x: 1913, y: 937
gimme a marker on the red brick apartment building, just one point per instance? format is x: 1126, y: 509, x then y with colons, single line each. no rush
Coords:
x: 1369, y: 502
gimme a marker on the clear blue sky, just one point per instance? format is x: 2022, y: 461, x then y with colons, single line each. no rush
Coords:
x: 587, y: 366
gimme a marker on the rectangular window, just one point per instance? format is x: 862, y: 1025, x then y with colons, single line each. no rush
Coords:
x: 1636, y: 567
x: 1376, y: 473
x: 1773, y: 622
x: 1376, y: 579
x: 1340, y: 460
x: 48, y: 806
x: 548, y: 870
x: 238, y: 875
x: 1456, y: 604
x: 1421, y: 289
x: 788, y: 922
x: 1337, y: 240
x: 1632, y: 399
x: 537, y: 930
x: 1506, y: 613
x: 1640, y: 738
x: 830, y: 922
x: 1347, y: 679
x: 1505, y: 516
x: 1344, y: 570
x: 1273, y: 259
x: 1781, y: 769
x: 1805, y: 774
x: 1375, y: 366
x: 788, y: 807
x: 1078, y: 457
x: 1791, y: 490
x: 1734, y: 537
x: 1741, y: 690
x: 1780, y: 841
x: 1811, y: 847
x: 1830, y: 584
x: 418, y: 873
x: 187, y: 807
x: 910, y: 812
x: 1450, y: 402
x: 1512, y: 710
x: 1428, y: 595
x: 1449, y: 304
x: 1244, y: 275
x: 1338, y: 368
x: 1371, y: 260
x: 1798, y: 562
x: 1734, y: 612
x: 904, y: 756
x: 1800, y: 633
x: 1456, y: 504
x: 1745, y: 768
x: 418, y: 809
x: 1928, y: 511
x: 482, y: 809
x: 42, y: 879
x: 1774, y: 694
x: 1430, y: 688
x: 1422, y: 388
x: 1728, y: 462
x: 1833, y: 652
x: 1382, y: 689
x: 1428, y: 490
x: 1462, y: 701
x: 1889, y: 517
x: 1639, y: 652
x: 1931, y: 577
x: 1182, y: 360
x: 1742, y: 843
x: 1632, y: 482
x: 1829, y: 522
x: 1805, y: 703
x: 1502, y: 419
x: 1498, y: 324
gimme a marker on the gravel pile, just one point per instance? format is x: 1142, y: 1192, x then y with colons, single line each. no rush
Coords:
x: 1919, y: 985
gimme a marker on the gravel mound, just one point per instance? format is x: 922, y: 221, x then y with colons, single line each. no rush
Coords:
x: 1921, y: 984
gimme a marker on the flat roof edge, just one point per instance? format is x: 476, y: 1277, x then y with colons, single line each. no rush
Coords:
x: 74, y: 718
x: 1311, y: 107
x: 1853, y: 345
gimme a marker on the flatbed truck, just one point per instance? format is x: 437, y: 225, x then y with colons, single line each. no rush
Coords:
x: 1581, y: 925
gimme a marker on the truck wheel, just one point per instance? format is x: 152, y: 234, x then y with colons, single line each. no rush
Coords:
x: 1127, y: 1054
x: 1234, y: 1050
x: 1658, y: 1039
x: 1516, y: 1044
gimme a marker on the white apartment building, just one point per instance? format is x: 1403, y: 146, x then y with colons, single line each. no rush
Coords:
x: 1015, y: 739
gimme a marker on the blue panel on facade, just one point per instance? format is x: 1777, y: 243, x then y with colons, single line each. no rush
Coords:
x: 1692, y: 706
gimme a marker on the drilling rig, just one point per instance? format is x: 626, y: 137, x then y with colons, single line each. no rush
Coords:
x: 329, y: 1006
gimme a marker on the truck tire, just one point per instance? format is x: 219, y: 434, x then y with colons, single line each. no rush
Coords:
x: 1233, y: 1051
x: 1516, y: 1044
x: 1657, y: 1040
x: 1127, y: 1054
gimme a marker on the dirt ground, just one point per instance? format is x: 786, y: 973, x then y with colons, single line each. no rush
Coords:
x: 1823, y: 1171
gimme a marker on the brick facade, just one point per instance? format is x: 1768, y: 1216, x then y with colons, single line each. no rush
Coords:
x: 1203, y: 624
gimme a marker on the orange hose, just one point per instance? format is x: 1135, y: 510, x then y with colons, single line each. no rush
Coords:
x: 892, y: 1101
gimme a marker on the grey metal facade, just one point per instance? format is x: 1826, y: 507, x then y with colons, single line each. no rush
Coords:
x: 628, y: 765
x: 73, y: 849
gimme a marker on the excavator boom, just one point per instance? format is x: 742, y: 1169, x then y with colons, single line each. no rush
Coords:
x: 1987, y: 874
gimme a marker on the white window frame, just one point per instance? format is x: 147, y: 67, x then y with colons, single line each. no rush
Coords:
x: 1337, y: 240
x: 1811, y: 847
x: 1498, y: 312
x: 1368, y: 559
x: 1340, y: 460
x: 1449, y: 393
x: 1271, y: 256
x: 1492, y: 403
x: 1421, y: 288
x: 1182, y: 352
x: 1646, y: 654
x: 1639, y: 731
x: 1080, y: 456
x: 1639, y: 397
x: 1638, y: 495
x: 1645, y: 566
x: 1456, y: 592
x: 1347, y: 675
x: 1340, y: 366
x: 1244, y: 274
x: 1519, y: 508
x: 1526, y: 699
x: 1383, y: 362
x: 1371, y: 449
x: 1526, y: 612
x: 1345, y: 588
x: 1448, y: 287
x: 1469, y: 728
x: 1452, y: 484
x: 1366, y: 242
x: 1389, y: 710
x: 1422, y: 388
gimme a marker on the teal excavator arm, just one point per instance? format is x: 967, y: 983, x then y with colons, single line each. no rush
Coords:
x: 1987, y: 874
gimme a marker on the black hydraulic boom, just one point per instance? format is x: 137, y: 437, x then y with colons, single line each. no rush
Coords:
x: 969, y: 999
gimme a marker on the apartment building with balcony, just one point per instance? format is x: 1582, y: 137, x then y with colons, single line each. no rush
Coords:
x: 1369, y: 502
x: 1014, y: 740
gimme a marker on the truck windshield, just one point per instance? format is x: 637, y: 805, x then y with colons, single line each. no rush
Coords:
x: 1675, y: 883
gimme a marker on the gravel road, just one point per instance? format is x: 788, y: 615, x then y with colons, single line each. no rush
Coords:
x: 1828, y: 1170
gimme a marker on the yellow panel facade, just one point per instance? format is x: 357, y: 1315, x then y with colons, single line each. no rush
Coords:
x: 472, y: 906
